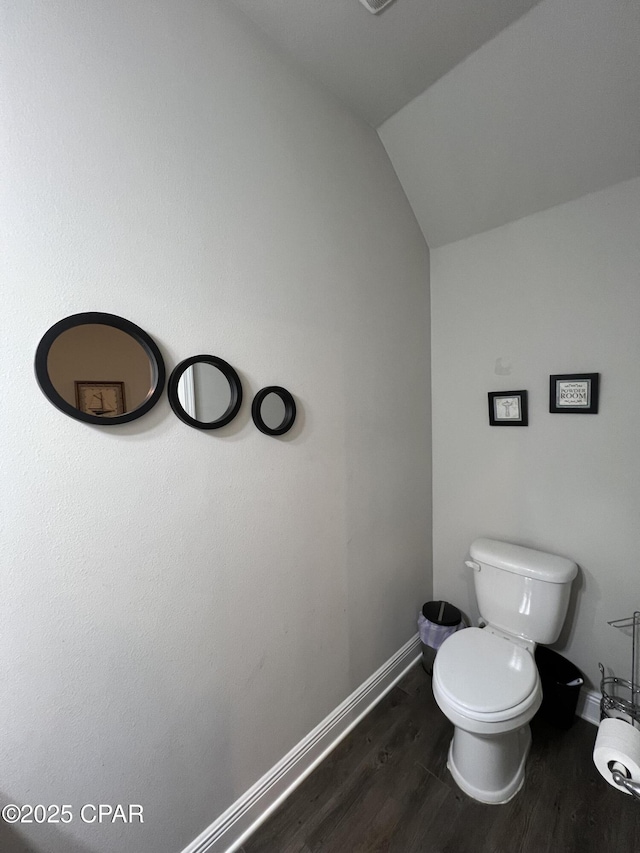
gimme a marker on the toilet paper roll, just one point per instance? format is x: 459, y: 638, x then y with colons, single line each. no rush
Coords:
x: 618, y: 744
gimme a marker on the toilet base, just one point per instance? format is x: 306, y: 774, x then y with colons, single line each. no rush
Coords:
x: 489, y: 769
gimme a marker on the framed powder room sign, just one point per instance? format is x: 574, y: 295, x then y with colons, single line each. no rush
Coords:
x: 508, y: 408
x: 574, y: 393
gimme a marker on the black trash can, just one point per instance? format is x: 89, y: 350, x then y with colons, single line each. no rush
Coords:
x: 561, y: 683
x: 438, y: 620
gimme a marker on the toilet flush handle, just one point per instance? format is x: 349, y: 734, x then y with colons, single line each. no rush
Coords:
x: 472, y: 565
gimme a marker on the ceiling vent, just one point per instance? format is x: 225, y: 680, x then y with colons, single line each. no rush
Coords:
x: 376, y: 6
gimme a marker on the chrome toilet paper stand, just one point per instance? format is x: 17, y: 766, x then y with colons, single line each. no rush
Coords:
x: 621, y: 698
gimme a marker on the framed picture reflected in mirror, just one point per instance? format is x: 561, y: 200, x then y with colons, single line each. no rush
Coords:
x: 102, y: 399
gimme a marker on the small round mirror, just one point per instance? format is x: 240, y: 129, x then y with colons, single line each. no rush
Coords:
x: 273, y: 410
x: 100, y: 368
x: 205, y: 392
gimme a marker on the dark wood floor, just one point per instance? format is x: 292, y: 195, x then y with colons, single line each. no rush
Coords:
x: 386, y: 788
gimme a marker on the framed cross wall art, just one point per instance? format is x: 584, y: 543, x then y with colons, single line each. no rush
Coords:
x: 508, y: 408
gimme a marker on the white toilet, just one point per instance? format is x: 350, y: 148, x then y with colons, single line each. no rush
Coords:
x: 485, y: 680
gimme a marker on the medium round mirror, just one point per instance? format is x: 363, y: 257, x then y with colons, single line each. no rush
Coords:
x: 100, y: 368
x: 273, y: 410
x: 205, y: 392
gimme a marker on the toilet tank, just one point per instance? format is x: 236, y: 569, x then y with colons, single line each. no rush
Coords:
x: 521, y: 591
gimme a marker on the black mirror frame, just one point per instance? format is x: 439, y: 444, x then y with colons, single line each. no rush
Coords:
x: 146, y: 342
x: 289, y: 410
x: 234, y: 384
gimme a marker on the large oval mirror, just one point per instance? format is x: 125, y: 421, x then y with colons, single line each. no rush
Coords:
x: 273, y: 410
x: 205, y: 392
x: 100, y: 368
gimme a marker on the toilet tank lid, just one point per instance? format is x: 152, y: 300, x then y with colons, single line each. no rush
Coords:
x: 523, y: 561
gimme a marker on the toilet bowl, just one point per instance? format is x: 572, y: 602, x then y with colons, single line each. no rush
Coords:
x: 489, y: 688
x: 485, y: 680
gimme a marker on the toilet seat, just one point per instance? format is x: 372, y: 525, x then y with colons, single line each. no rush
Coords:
x: 486, y: 677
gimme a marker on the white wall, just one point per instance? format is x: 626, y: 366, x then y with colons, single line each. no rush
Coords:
x: 178, y: 607
x: 557, y: 292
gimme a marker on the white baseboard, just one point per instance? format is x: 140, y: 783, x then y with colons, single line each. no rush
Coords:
x: 589, y: 706
x: 241, y: 819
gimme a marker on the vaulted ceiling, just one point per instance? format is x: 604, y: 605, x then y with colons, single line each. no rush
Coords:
x: 489, y: 111
x: 378, y: 63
